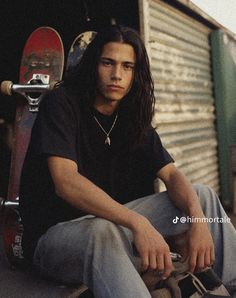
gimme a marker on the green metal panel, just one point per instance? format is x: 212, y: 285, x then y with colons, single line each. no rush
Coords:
x: 224, y: 70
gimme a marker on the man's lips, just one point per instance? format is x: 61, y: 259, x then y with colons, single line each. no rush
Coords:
x: 114, y: 87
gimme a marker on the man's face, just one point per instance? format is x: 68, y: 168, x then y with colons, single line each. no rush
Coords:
x: 115, y: 72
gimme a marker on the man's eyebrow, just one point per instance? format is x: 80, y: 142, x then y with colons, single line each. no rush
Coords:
x: 106, y: 58
x: 129, y: 62
x: 112, y: 60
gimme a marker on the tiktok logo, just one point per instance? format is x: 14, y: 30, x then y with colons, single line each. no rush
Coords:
x: 175, y: 220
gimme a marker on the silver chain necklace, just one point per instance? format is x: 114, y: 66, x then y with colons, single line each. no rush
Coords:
x: 108, y: 139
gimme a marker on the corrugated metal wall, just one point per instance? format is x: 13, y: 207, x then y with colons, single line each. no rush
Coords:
x: 179, y: 52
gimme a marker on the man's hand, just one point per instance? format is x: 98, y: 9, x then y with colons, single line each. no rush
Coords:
x: 201, y: 247
x: 152, y: 248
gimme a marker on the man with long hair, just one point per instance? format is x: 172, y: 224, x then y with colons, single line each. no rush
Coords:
x: 87, y: 196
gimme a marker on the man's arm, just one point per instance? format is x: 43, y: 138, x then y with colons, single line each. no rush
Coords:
x: 85, y: 195
x: 181, y: 192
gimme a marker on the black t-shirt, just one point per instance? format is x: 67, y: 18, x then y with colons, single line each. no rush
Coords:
x: 64, y: 129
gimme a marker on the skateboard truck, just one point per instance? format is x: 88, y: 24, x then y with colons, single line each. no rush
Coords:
x: 12, y: 204
x: 33, y: 90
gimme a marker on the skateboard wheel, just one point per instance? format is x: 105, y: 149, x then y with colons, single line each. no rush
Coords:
x: 6, y: 87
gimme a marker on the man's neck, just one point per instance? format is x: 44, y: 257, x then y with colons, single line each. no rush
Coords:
x: 106, y: 109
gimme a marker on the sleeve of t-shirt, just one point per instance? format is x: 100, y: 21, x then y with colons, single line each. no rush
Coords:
x: 161, y: 156
x: 54, y: 132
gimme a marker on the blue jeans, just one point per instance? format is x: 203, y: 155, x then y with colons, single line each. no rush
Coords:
x: 100, y: 254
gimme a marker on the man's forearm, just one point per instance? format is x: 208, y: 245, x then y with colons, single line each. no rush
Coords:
x: 83, y: 194
x: 185, y: 197
x: 182, y: 193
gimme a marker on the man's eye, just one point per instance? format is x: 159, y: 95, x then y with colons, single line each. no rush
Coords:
x: 128, y: 67
x: 106, y: 63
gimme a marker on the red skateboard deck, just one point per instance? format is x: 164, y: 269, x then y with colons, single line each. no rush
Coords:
x: 42, y: 62
x: 43, y: 54
x: 78, y: 47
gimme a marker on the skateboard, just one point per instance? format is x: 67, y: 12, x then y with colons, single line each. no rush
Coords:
x: 41, y: 66
x: 78, y: 47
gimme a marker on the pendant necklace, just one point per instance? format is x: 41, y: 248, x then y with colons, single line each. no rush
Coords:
x: 108, y: 139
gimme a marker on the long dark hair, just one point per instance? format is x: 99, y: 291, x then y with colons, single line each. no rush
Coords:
x: 140, y: 101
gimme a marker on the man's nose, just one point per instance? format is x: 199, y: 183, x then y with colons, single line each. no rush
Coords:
x: 116, y: 73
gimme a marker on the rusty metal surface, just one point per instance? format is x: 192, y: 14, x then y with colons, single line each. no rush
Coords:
x: 179, y: 52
